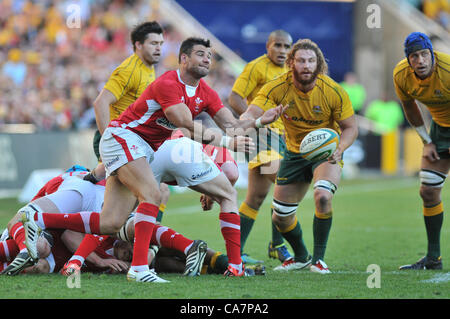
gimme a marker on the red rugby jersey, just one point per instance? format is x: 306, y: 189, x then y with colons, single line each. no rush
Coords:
x: 146, y: 117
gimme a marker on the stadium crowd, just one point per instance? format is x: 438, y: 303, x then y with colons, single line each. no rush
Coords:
x: 51, y: 71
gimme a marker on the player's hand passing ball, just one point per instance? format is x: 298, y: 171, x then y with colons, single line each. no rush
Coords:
x: 242, y: 144
x: 272, y: 115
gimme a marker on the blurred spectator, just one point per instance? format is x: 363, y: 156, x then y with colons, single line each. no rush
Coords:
x: 51, y: 72
x: 439, y: 11
x: 355, y: 90
x: 15, y: 69
x: 387, y: 115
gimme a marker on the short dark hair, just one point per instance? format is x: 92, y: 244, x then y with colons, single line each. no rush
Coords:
x: 188, y: 44
x: 140, y: 31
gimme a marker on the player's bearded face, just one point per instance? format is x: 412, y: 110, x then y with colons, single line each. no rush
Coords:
x: 421, y: 62
x: 199, y: 61
x: 151, y: 48
x: 304, y: 66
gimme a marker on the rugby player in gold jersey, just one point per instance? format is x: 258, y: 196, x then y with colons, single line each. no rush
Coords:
x: 315, y: 101
x: 264, y: 164
x: 424, y: 75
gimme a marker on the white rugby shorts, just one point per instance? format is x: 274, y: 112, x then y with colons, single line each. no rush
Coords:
x: 183, y: 161
x: 119, y: 146
x: 91, y: 198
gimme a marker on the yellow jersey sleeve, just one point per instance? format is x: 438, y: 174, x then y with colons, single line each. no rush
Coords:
x: 247, y: 81
x: 266, y: 98
x: 399, y: 74
x: 343, y: 106
x: 127, y: 83
x: 257, y: 73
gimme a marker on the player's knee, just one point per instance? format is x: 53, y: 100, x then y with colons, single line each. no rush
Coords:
x: 13, y: 221
x: 43, y: 247
x: 282, y: 222
x: 111, y: 224
x: 153, y: 197
x: 256, y: 197
x: 283, y: 213
x: 429, y: 194
x: 165, y: 193
x: 231, y: 172
x: 431, y: 184
x: 323, y: 194
x: 322, y: 199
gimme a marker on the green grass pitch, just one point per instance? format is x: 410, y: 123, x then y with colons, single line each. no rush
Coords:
x: 376, y: 221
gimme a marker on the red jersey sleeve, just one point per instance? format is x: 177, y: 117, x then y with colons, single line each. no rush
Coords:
x: 167, y: 93
x: 214, y: 102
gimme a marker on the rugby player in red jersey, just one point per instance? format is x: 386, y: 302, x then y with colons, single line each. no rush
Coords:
x: 128, y: 148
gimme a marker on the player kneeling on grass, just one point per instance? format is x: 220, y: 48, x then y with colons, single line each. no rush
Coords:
x: 315, y: 101
x: 55, y: 248
x: 64, y: 193
x: 68, y: 194
x: 194, y: 251
x: 170, y: 253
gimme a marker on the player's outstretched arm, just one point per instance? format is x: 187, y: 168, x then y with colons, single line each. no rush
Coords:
x: 254, y: 117
x: 72, y: 241
x: 181, y: 117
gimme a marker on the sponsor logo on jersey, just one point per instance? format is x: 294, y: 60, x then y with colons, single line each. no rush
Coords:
x: 317, y: 109
x: 310, y: 122
x: 115, y: 159
x: 199, y: 175
x: 162, y: 121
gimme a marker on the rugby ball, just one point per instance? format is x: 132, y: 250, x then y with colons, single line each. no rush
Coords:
x: 319, y: 144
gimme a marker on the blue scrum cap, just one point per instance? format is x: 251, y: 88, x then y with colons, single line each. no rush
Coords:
x: 76, y: 168
x: 418, y: 41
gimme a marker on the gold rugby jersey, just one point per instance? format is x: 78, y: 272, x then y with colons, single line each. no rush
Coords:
x: 433, y: 92
x: 127, y: 82
x: 257, y: 73
x: 324, y: 106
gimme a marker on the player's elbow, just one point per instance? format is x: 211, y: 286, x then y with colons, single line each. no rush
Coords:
x: 231, y: 99
x: 236, y: 103
x: 99, y: 104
